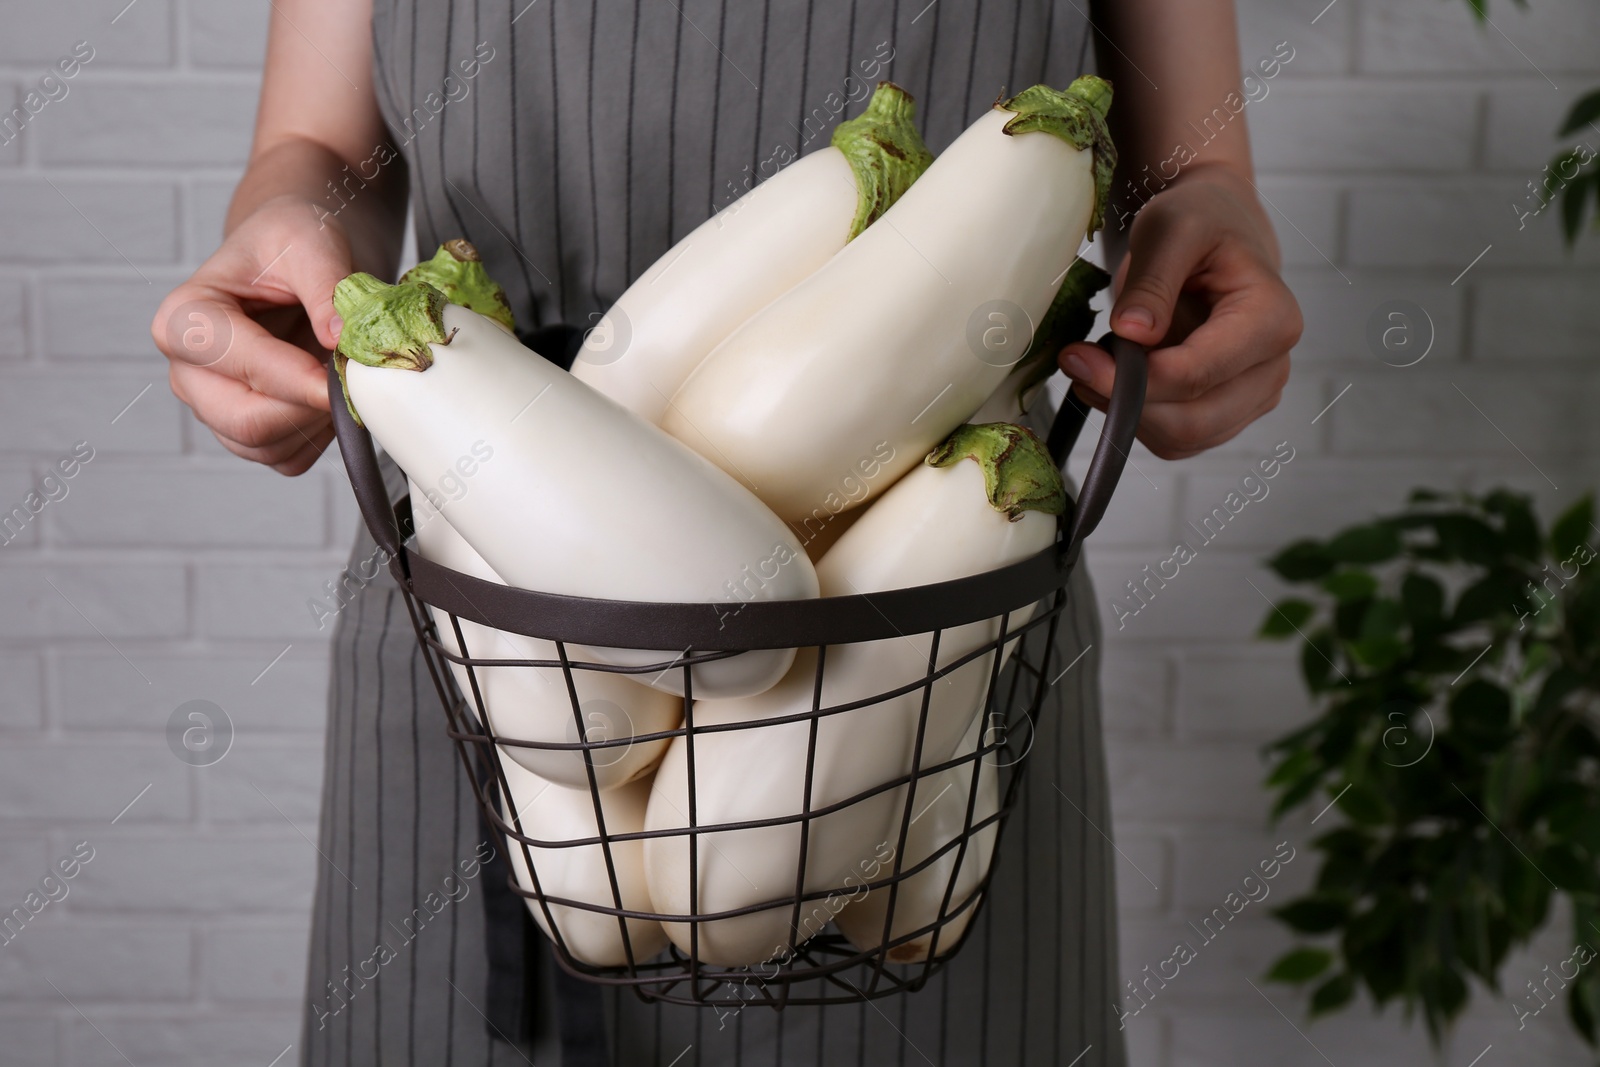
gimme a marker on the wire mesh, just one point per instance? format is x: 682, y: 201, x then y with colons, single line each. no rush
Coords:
x: 813, y: 962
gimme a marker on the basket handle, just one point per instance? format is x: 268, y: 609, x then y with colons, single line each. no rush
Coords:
x: 361, y: 464
x: 1116, y: 436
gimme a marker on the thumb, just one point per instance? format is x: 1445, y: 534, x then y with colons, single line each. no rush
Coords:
x: 1161, y: 258
x: 309, y: 265
x: 312, y: 282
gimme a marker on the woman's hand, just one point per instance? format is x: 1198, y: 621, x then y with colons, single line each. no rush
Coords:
x: 1199, y: 288
x: 247, y: 334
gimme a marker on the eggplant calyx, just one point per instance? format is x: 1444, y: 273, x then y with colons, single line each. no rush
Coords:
x: 387, y: 326
x: 457, y: 271
x: 1018, y: 472
x: 885, y: 152
x: 1077, y: 115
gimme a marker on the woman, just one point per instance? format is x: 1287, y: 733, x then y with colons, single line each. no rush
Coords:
x: 573, y: 144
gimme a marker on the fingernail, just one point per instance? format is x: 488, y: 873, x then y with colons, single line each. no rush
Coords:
x: 1138, y: 318
x: 336, y: 326
x: 1076, y: 368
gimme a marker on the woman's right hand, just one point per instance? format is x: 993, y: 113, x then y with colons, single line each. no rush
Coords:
x: 247, y: 335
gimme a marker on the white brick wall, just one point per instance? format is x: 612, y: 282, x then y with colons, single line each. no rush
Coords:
x: 1391, y: 149
x: 183, y: 940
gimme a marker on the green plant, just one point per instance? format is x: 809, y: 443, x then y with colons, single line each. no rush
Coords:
x: 1453, y: 650
x: 1582, y: 184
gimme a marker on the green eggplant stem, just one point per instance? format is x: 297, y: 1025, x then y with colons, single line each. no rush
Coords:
x: 1077, y: 115
x: 1018, y: 472
x: 457, y: 271
x: 387, y: 325
x: 885, y: 152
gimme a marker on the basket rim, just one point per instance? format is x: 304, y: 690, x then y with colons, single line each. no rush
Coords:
x: 735, y: 626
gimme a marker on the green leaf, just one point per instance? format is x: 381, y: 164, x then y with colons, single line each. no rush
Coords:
x: 1285, y: 618
x: 1527, y: 896
x: 1569, y: 868
x: 1368, y: 928
x: 1572, y: 528
x: 1293, y: 768
x: 1295, y: 795
x: 1373, y: 543
x: 1348, y: 615
x: 1518, y: 526
x: 1423, y: 599
x: 1381, y: 957
x: 1339, y: 739
x: 1350, y: 585
x: 1315, y: 914
x: 1384, y: 618
x: 1572, y: 203
x: 1481, y: 713
x: 1333, y: 994
x: 1584, y: 111
x: 1378, y: 644
x: 1497, y: 594
x: 1534, y: 661
x: 1344, y: 867
x: 1446, y: 994
x: 1583, y: 1005
x: 1300, y: 965
x: 1379, y: 653
x: 1558, y: 685
x: 1565, y: 809
x: 1365, y: 805
x: 1468, y: 538
x: 1317, y: 658
x: 1302, y: 561
x: 1344, y: 841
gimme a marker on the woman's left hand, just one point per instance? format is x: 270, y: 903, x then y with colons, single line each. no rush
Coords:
x: 1200, y: 289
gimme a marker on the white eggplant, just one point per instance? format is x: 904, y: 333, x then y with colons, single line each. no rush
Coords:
x: 532, y: 703
x: 750, y: 253
x: 582, y: 497
x: 939, y: 818
x: 1069, y: 319
x: 886, y: 342
x: 947, y: 519
x: 549, y: 812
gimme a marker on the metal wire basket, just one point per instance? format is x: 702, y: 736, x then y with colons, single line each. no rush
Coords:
x: 824, y: 967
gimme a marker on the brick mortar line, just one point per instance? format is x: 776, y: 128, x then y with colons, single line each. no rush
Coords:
x: 107, y: 72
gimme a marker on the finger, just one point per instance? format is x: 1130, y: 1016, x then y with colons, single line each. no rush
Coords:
x: 307, y: 456
x: 292, y: 455
x: 195, y: 324
x: 276, y: 368
x: 285, y: 257
x: 204, y: 327
x: 267, y: 455
x: 1177, y: 430
x: 1251, y: 325
x: 310, y: 263
x: 1163, y: 252
x: 1246, y: 328
x: 237, y: 412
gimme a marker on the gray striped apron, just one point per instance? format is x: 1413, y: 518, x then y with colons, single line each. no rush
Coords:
x: 573, y: 144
